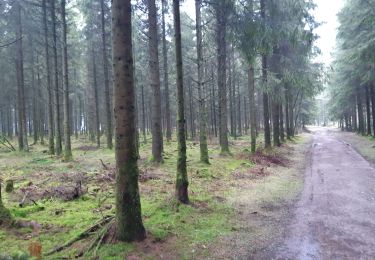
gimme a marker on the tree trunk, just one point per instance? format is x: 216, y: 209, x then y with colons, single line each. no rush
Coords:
x: 232, y: 94
x: 143, y: 116
x: 291, y: 112
x: 96, y: 99
x: 106, y: 79
x: 361, y: 121
x: 266, y: 113
x: 166, y: 80
x: 128, y: 206
x: 157, y: 134
x: 282, y: 132
x: 368, y: 110
x: 191, y: 111
x: 221, y: 30
x: 251, y: 84
x: 214, y: 105
x: 201, y: 99
x: 35, y: 112
x: 22, y: 131
x: 372, y: 91
x: 182, y: 178
x: 58, y: 144
x: 51, y: 143
x: 276, y: 122
x: 239, y: 111
x: 67, y: 144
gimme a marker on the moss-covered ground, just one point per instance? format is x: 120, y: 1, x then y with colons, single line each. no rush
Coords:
x: 364, y: 144
x: 233, y: 199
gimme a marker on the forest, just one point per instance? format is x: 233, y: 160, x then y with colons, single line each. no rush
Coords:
x: 196, y: 129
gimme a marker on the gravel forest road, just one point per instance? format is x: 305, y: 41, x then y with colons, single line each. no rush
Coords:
x: 335, y: 216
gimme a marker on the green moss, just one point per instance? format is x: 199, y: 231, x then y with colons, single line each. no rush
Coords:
x: 115, y: 252
x: 204, y: 221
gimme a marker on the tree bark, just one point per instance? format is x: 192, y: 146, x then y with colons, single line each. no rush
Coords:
x: 157, y: 134
x: 58, y: 141
x: 182, y: 182
x: 372, y: 92
x: 201, y: 99
x: 239, y: 111
x: 266, y: 113
x: 22, y: 131
x: 128, y: 206
x: 282, y: 132
x: 106, y: 80
x: 67, y: 144
x: 96, y: 99
x: 221, y: 14
x: 368, y: 110
x: 51, y: 143
x: 251, y: 84
x: 361, y: 122
x: 276, y: 122
x: 166, y: 80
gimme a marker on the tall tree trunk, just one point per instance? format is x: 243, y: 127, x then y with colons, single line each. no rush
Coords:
x: 292, y: 106
x: 106, y: 79
x: 282, y: 132
x: 67, y: 144
x: 96, y: 99
x: 231, y: 95
x: 201, y: 99
x: 191, y: 111
x: 368, y: 110
x: 214, y: 104
x: 58, y: 142
x: 129, y: 225
x: 266, y: 113
x: 361, y: 121
x: 276, y: 122
x: 157, y: 134
x: 239, y: 113
x: 22, y: 131
x: 35, y: 112
x: 166, y: 80
x: 372, y: 93
x: 221, y: 14
x: 143, y: 116
x: 182, y: 182
x: 51, y: 143
x: 251, y: 84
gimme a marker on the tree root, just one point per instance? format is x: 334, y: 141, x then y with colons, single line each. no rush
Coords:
x: 102, y: 226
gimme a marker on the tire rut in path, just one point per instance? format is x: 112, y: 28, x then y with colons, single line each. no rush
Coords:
x: 335, y: 216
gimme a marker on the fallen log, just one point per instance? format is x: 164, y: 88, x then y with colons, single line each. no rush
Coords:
x: 82, y: 235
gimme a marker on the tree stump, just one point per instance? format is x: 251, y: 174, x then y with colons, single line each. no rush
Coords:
x: 9, y: 186
x: 5, y: 217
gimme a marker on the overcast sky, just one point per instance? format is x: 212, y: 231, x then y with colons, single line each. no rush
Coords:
x: 325, y: 12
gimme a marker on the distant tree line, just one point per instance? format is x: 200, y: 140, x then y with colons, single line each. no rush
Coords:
x: 352, y: 86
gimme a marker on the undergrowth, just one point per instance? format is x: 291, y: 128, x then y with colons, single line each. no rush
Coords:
x: 182, y: 228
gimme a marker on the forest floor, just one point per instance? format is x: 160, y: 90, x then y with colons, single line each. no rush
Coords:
x: 335, y: 216
x: 239, y: 203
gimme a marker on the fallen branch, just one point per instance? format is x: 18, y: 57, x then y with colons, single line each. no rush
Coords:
x: 22, y: 203
x: 104, y: 166
x: 81, y: 236
x: 5, y: 142
x: 10, y: 43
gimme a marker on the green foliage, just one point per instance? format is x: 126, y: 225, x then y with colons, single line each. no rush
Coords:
x: 353, y: 68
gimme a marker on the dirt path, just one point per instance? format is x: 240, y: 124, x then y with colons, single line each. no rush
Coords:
x: 335, y: 217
